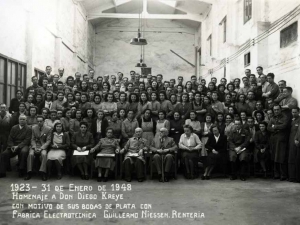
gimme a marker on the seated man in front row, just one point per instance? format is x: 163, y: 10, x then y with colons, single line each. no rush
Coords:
x: 163, y: 147
x: 238, y: 143
x: 41, y: 138
x: 18, y: 142
x: 134, y: 156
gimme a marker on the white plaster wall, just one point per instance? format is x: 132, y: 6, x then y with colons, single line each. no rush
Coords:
x: 284, y: 63
x: 13, y: 30
x: 114, y: 53
x: 37, y: 32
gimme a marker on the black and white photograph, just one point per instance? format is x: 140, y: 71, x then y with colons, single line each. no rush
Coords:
x: 149, y: 112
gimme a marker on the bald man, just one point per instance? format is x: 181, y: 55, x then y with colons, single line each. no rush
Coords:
x: 18, y: 144
x: 163, y: 147
x: 134, y: 155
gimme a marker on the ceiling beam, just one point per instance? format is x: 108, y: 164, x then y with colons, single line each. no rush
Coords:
x: 193, y: 17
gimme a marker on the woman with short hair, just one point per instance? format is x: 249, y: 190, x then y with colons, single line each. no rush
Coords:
x: 190, y: 145
x: 82, y: 141
x: 60, y: 143
x: 107, y: 145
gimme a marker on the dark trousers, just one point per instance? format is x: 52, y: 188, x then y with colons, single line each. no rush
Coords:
x: 137, y: 164
x: 168, y: 162
x: 294, y: 168
x: 280, y: 170
x: 7, y: 154
x: 3, y: 142
x: 243, y: 166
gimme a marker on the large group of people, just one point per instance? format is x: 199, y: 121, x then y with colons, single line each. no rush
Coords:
x: 141, y: 122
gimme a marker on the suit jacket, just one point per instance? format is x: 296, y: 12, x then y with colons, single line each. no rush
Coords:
x: 104, y: 125
x: 5, y: 123
x: 220, y: 146
x: 237, y: 139
x: 50, y: 79
x: 168, y: 143
x: 40, y: 138
x: 19, y: 137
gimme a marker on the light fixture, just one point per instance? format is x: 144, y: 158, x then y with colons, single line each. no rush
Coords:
x: 139, y: 40
x: 141, y: 63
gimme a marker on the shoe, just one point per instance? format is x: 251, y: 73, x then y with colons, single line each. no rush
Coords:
x: 167, y: 179
x: 105, y: 179
x: 59, y: 176
x: 99, y: 179
x: 233, y: 177
x: 128, y: 179
x: 207, y: 178
x: 160, y: 179
x: 82, y: 177
x: 140, y: 180
x: 28, y: 176
x: 44, y: 177
x: 203, y: 177
x: 2, y: 175
x: 21, y: 173
x: 282, y: 178
x: 265, y: 175
x: 242, y: 178
x: 86, y: 177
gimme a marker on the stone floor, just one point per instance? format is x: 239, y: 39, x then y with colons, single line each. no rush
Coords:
x: 222, y: 201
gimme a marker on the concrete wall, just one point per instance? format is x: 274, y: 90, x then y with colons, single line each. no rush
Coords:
x: 113, y: 52
x: 284, y: 63
x: 44, y: 32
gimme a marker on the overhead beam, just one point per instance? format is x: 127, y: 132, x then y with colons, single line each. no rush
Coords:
x: 193, y: 17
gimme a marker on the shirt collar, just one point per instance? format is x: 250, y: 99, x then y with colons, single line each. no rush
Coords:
x: 61, y: 134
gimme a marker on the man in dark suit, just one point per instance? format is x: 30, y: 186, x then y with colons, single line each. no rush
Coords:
x: 5, y: 124
x: 278, y: 126
x: 163, y: 147
x: 40, y: 140
x: 216, y: 147
x: 238, y: 149
x: 252, y: 128
x: 18, y: 142
x: 47, y: 75
x: 15, y: 102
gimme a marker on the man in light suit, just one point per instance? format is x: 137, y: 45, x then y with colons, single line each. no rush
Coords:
x: 134, y: 155
x: 41, y: 138
x: 163, y: 146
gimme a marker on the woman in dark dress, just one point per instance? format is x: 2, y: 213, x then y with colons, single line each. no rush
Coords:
x: 220, y: 122
x: 197, y: 106
x: 107, y: 145
x: 99, y: 126
x: 216, y: 151
x: 184, y: 107
x: 82, y: 141
x: 262, y: 146
x: 176, y: 127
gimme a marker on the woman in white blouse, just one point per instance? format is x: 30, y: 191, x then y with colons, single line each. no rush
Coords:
x: 190, y: 145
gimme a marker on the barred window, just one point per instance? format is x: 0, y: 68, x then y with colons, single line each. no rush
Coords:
x: 289, y: 35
